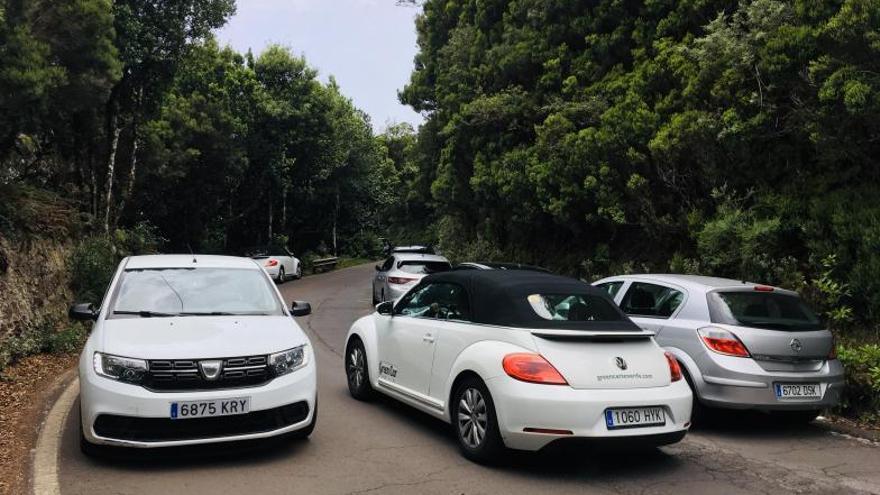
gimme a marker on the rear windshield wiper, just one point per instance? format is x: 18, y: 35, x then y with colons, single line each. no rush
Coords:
x: 146, y: 314
x: 772, y: 325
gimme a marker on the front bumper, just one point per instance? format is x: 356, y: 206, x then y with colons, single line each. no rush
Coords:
x: 520, y: 405
x: 741, y: 383
x: 287, y: 402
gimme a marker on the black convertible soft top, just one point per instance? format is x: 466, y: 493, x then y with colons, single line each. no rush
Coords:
x: 500, y: 297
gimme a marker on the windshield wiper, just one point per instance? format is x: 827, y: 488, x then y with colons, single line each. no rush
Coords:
x: 146, y: 314
x: 206, y: 313
x: 221, y: 313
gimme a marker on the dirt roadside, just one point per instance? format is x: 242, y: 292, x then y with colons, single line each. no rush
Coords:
x: 27, y: 389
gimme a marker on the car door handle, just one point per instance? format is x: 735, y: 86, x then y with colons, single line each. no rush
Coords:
x: 428, y: 338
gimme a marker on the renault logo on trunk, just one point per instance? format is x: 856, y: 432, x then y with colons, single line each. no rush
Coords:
x: 211, y: 369
x: 795, y: 345
x: 620, y: 363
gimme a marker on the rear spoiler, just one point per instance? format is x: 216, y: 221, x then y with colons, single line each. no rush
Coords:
x: 594, y: 336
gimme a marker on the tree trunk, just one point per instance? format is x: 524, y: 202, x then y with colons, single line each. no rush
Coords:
x: 93, y: 184
x: 335, y: 216
x: 284, y: 206
x: 269, y: 240
x: 132, y: 174
x: 111, y: 168
x: 135, y: 136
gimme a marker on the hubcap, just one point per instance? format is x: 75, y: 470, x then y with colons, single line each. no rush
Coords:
x: 356, y: 368
x: 472, y: 418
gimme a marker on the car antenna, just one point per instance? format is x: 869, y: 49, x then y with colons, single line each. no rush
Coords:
x: 192, y: 253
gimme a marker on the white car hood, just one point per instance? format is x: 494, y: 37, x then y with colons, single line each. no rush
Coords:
x: 197, y: 337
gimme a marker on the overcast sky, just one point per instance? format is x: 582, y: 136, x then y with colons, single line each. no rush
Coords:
x: 368, y: 45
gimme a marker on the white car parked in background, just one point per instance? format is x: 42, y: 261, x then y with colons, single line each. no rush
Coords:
x: 190, y: 350
x: 519, y: 359
x: 280, y: 264
x: 402, y: 271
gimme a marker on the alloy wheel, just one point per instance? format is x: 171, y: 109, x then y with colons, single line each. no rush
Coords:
x: 356, y: 367
x: 472, y: 418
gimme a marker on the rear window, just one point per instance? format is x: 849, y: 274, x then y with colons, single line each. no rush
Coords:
x: 423, y: 267
x: 762, y: 310
x: 573, y: 307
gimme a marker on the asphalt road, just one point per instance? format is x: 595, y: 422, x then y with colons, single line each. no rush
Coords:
x: 384, y: 447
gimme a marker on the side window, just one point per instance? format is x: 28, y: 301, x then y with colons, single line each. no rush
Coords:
x: 388, y: 264
x: 612, y: 288
x: 441, y: 301
x: 644, y: 299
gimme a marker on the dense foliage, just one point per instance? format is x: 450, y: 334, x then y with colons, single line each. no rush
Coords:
x: 133, y: 114
x: 734, y: 138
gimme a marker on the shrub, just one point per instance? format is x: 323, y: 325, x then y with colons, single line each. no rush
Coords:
x: 92, y: 265
x: 363, y: 245
x: 68, y: 340
x: 861, y: 396
x: 95, y: 258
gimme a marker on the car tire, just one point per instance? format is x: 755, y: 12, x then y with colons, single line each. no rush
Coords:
x: 299, y: 272
x: 794, y: 418
x: 472, y: 410
x: 357, y: 370
x: 281, y: 275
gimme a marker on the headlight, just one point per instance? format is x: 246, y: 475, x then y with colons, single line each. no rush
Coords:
x: 288, y: 361
x: 118, y: 368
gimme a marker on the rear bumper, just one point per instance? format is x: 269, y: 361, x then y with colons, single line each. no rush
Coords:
x: 395, y: 292
x: 521, y: 405
x: 741, y: 383
x: 621, y: 443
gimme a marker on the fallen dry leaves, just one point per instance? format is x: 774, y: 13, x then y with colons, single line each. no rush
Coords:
x: 24, y: 389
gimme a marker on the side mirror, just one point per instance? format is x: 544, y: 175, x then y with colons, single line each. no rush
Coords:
x: 300, y: 308
x: 82, y: 312
x: 385, y: 308
x: 378, y: 268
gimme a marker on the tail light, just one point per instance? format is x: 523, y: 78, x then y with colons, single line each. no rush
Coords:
x: 723, y: 342
x: 271, y: 262
x: 400, y: 280
x: 832, y: 354
x: 674, y: 367
x: 763, y: 288
x: 532, y: 368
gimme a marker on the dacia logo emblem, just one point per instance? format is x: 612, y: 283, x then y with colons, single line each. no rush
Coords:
x: 211, y: 369
x: 795, y: 345
x: 620, y: 363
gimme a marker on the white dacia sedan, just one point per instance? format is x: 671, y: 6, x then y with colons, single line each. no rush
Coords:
x: 190, y: 350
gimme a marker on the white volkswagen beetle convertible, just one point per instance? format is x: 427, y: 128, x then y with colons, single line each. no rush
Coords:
x: 517, y: 359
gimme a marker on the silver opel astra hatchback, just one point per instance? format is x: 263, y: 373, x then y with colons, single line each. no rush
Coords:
x: 741, y: 345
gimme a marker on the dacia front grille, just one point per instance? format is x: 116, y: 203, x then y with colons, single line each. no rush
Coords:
x: 165, y: 429
x: 171, y: 375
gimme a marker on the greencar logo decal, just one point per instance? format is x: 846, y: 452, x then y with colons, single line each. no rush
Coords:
x: 387, y: 369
